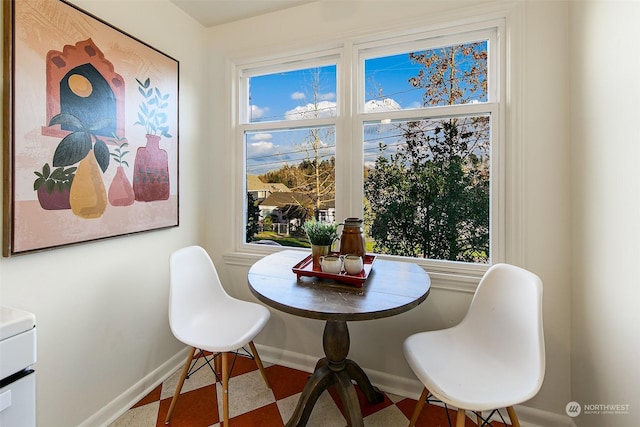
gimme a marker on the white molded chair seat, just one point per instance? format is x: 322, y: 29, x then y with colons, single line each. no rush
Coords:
x: 203, y: 316
x: 495, y: 357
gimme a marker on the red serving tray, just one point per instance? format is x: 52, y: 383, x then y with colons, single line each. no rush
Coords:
x: 305, y: 268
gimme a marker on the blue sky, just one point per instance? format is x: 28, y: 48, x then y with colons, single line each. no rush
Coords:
x: 273, y: 95
x: 289, y: 96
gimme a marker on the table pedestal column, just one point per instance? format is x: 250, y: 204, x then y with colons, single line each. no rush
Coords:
x: 336, y: 369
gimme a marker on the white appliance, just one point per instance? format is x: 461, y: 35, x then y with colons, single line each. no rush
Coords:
x: 17, y: 377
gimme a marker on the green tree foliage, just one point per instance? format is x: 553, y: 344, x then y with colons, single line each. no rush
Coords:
x: 430, y: 198
x: 287, y: 175
x: 253, y: 214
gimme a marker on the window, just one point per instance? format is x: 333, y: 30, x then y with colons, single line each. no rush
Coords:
x: 418, y: 143
x: 289, y: 137
x: 427, y: 149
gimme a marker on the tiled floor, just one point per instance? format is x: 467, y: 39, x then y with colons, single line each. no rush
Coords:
x: 251, y: 403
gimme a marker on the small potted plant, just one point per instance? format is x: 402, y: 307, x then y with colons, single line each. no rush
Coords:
x: 151, y: 167
x: 121, y: 191
x: 53, y: 187
x: 151, y: 113
x: 321, y: 236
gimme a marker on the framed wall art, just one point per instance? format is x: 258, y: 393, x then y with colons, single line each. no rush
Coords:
x: 90, y: 130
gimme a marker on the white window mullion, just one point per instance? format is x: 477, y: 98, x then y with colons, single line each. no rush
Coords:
x: 344, y: 184
x: 290, y: 125
x: 431, y: 113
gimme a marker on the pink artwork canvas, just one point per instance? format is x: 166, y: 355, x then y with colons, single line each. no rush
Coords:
x: 91, y: 146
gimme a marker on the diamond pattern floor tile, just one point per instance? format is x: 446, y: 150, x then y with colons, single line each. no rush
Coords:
x: 251, y: 403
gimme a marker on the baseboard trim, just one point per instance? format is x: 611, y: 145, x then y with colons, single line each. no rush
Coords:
x: 290, y: 359
x: 121, y: 404
x: 533, y: 417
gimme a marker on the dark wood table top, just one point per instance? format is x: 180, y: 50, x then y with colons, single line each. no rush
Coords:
x: 392, y: 288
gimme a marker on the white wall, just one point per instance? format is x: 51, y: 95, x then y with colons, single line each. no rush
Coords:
x: 543, y: 136
x: 605, y: 150
x: 101, y: 308
x: 102, y: 329
x: 546, y: 189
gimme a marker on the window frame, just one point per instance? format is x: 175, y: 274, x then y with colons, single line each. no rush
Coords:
x: 350, y: 119
x: 241, y: 77
x: 495, y: 99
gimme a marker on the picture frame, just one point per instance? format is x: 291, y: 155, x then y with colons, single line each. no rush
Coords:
x: 90, y: 130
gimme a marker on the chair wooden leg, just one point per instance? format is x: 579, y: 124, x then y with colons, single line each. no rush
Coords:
x: 460, y: 419
x: 225, y: 388
x: 479, y: 417
x: 513, y: 416
x: 259, y: 363
x: 185, y: 370
x: 216, y: 364
x: 419, y: 406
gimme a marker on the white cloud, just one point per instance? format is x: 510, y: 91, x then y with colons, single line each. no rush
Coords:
x: 260, y: 148
x: 257, y: 112
x: 260, y: 137
x: 322, y: 96
x: 307, y: 146
x: 379, y: 105
x: 309, y: 111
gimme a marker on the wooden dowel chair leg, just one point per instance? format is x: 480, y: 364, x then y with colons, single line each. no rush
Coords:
x: 419, y: 406
x: 216, y: 363
x: 460, y: 419
x: 479, y: 417
x: 513, y: 416
x: 259, y: 363
x: 225, y: 388
x: 183, y: 376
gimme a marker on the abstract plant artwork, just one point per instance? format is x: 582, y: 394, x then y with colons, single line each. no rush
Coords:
x: 91, y: 144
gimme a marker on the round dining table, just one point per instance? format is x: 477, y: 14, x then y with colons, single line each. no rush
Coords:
x: 392, y: 287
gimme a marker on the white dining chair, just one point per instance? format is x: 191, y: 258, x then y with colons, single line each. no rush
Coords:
x: 494, y: 358
x: 205, y: 317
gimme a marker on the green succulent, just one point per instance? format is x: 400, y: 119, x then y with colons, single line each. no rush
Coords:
x: 59, y: 179
x: 321, y: 233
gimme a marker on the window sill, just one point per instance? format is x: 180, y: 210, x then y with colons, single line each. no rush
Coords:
x: 449, y: 276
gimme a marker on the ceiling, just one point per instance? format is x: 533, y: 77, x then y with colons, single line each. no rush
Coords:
x: 216, y: 12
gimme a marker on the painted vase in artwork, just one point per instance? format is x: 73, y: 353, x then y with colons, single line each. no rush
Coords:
x: 120, y: 191
x: 56, y: 200
x: 88, y: 197
x: 52, y: 186
x: 151, y: 172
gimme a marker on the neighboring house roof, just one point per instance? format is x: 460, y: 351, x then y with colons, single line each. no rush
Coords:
x: 328, y: 204
x: 281, y: 199
x: 255, y: 184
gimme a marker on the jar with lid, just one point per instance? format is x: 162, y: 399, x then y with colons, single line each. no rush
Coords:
x: 352, y: 238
